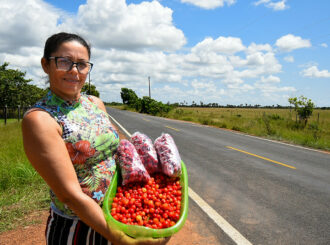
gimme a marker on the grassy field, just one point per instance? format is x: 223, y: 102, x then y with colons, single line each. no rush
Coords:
x: 22, y: 190
x: 277, y: 124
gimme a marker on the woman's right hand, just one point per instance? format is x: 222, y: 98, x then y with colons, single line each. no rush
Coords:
x: 120, y: 238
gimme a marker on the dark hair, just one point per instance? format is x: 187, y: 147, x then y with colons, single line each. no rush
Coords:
x: 55, y: 41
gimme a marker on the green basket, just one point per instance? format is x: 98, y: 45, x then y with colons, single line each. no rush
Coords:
x: 142, y: 231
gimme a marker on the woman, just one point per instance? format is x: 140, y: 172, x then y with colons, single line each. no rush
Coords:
x: 69, y: 140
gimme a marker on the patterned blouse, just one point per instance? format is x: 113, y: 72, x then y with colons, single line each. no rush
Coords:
x: 91, y: 141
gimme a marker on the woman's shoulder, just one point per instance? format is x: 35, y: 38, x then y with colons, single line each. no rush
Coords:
x: 38, y: 119
x: 97, y: 101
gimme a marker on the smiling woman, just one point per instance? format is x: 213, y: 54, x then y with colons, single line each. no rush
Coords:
x: 60, y: 55
x: 70, y: 141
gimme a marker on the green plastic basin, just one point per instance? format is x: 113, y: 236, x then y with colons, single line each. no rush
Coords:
x: 142, y: 231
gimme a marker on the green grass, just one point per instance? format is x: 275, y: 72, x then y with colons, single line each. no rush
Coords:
x: 278, y: 124
x: 22, y: 190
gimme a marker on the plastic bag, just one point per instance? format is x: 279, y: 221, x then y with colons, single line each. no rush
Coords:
x: 168, y: 154
x: 132, y: 169
x: 147, y: 152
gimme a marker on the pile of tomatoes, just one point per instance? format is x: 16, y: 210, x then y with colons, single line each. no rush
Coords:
x: 156, y: 204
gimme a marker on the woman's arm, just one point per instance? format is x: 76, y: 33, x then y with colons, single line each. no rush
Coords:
x: 48, y: 154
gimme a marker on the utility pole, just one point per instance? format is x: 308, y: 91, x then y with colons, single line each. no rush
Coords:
x: 89, y: 83
x: 149, y: 87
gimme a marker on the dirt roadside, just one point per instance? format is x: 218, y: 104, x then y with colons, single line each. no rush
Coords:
x: 35, y: 234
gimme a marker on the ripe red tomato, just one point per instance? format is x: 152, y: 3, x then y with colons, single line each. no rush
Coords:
x: 156, y: 204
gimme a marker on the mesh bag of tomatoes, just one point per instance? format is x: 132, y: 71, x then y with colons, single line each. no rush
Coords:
x: 157, y: 208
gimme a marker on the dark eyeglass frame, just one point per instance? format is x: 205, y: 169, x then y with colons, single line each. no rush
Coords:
x: 72, y: 63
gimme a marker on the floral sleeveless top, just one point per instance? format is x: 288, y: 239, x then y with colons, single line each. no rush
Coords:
x: 90, y: 139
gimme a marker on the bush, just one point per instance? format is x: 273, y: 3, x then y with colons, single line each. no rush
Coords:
x: 295, y: 125
x: 269, y: 129
x: 303, y: 106
x: 316, y: 132
x: 146, y: 104
x: 275, y: 117
x: 153, y: 107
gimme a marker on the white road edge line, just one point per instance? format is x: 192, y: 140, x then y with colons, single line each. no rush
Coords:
x: 126, y: 132
x: 237, y: 237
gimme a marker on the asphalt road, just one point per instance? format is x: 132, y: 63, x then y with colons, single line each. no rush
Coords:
x: 272, y: 193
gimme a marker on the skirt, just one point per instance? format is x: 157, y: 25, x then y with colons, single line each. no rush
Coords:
x: 61, y: 230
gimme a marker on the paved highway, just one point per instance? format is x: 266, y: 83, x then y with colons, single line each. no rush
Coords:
x: 270, y: 192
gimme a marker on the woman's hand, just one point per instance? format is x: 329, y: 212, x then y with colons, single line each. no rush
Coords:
x: 120, y: 238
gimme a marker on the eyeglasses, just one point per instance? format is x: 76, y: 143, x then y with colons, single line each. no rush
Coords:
x: 66, y: 64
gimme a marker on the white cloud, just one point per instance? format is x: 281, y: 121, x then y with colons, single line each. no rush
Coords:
x: 26, y: 23
x: 209, y: 63
x: 209, y: 4
x: 200, y: 85
x: 236, y: 88
x: 324, y: 45
x: 253, y: 47
x: 313, y: 71
x: 270, y: 79
x: 290, y: 42
x: 289, y: 58
x: 277, y: 6
x: 272, y: 92
x: 224, y: 45
x: 114, y: 24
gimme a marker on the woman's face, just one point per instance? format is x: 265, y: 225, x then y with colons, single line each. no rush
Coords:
x: 67, y: 84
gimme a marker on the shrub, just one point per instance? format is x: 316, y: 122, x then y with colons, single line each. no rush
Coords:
x: 269, y: 129
x: 275, y: 117
x: 303, y: 106
x: 316, y: 132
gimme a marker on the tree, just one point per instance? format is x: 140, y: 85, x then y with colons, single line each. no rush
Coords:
x: 15, y: 89
x: 303, y: 106
x: 146, y: 104
x: 93, y: 91
x: 128, y: 96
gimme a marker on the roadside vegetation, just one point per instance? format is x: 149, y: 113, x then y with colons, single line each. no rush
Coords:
x: 22, y: 190
x: 277, y: 124
x: 298, y: 124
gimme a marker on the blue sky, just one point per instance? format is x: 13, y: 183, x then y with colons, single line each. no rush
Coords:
x: 223, y: 51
